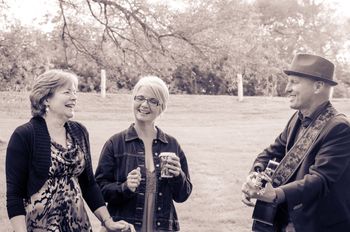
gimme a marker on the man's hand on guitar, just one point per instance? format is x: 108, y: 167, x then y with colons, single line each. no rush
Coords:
x: 248, y: 188
x: 267, y: 194
x: 252, y: 189
x: 246, y: 200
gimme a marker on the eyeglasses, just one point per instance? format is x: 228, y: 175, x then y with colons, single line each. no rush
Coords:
x: 150, y: 101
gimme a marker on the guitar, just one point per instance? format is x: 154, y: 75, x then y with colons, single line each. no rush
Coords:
x: 264, y: 213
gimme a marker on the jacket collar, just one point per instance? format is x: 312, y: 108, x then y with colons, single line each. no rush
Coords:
x: 131, y: 134
x: 299, y: 120
x: 307, y: 119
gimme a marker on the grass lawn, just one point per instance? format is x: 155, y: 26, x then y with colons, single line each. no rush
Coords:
x: 219, y: 135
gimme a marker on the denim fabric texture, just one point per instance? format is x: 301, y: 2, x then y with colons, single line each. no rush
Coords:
x: 124, y: 152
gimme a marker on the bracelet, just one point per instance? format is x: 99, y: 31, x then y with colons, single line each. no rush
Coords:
x: 105, y: 220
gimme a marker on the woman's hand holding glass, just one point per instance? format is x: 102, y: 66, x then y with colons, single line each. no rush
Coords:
x: 133, y: 179
x: 174, y: 165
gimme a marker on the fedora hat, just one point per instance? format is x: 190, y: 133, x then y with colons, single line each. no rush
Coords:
x: 312, y: 66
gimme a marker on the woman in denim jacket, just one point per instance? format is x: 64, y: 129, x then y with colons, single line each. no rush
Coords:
x: 129, y: 169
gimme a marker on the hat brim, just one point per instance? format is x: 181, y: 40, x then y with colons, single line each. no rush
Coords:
x: 330, y: 82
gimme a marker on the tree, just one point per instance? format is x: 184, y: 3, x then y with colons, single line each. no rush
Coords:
x: 199, y: 49
x: 140, y: 36
x: 293, y: 26
x: 24, y: 54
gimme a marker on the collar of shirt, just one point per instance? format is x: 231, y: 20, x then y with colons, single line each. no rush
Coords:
x: 306, y: 120
x: 131, y: 134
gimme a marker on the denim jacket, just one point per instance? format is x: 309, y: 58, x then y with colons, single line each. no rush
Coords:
x: 124, y: 152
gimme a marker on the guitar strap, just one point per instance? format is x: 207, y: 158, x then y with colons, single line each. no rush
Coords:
x: 294, y: 157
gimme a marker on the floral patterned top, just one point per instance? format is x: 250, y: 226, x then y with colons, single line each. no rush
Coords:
x: 59, y: 205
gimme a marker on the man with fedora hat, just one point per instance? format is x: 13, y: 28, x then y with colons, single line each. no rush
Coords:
x: 302, y: 180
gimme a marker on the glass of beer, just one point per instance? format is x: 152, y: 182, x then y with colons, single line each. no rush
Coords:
x: 164, y: 159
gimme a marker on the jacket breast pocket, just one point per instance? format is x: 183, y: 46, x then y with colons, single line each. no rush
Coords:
x: 125, y: 163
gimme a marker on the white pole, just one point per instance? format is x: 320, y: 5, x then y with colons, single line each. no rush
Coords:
x: 103, y: 83
x: 240, y: 87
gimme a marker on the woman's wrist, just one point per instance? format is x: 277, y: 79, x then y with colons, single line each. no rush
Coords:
x: 106, y: 220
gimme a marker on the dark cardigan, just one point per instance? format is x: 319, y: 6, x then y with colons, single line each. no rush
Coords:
x: 28, y: 159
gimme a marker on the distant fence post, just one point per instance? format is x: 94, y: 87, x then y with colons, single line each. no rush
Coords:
x: 103, y: 83
x: 194, y: 82
x: 240, y: 87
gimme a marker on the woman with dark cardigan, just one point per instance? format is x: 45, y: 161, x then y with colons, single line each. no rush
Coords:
x: 48, y: 164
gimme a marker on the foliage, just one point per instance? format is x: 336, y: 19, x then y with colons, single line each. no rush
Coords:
x: 23, y: 55
x: 197, y: 49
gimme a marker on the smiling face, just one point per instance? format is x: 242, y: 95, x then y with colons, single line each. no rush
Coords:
x: 144, y: 110
x: 301, y: 92
x: 62, y: 103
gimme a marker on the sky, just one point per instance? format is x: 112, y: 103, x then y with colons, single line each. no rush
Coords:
x: 29, y: 12
x: 32, y: 12
x: 342, y: 7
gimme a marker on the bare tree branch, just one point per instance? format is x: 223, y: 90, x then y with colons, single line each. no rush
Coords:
x: 76, y: 43
x: 131, y: 29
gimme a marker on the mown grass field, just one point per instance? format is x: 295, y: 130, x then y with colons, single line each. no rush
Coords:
x: 219, y: 135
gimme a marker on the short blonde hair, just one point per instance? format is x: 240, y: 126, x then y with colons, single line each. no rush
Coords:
x: 46, y: 85
x: 157, y: 86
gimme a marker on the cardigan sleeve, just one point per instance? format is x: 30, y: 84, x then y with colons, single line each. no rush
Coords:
x: 17, y: 160
x: 90, y: 189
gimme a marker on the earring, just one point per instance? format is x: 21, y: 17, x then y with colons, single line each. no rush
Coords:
x: 47, y: 109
